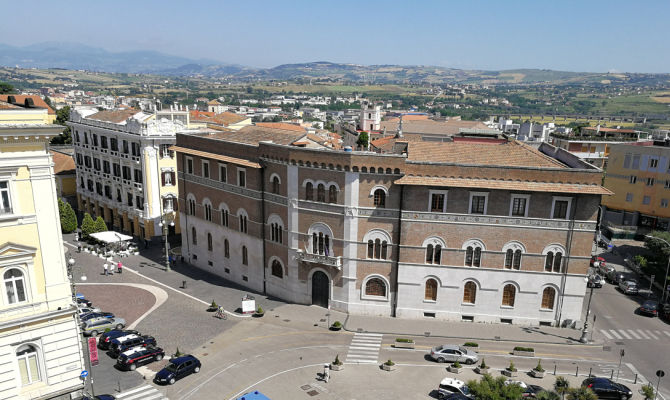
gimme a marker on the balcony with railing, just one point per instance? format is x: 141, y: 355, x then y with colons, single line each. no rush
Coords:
x: 320, y: 259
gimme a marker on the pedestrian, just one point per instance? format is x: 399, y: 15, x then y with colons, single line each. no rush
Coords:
x: 326, y: 372
x: 105, y: 267
x: 111, y: 267
x: 146, y: 244
x: 119, y: 267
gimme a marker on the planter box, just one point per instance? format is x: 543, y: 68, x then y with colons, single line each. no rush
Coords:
x: 336, y: 367
x: 454, y: 370
x: 474, y: 348
x: 510, y: 374
x: 483, y: 371
x: 258, y: 315
x: 537, y: 374
x: 386, y: 367
x: 335, y: 328
x: 524, y: 353
x: 403, y: 345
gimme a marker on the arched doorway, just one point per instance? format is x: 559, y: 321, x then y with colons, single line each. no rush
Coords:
x: 320, y: 289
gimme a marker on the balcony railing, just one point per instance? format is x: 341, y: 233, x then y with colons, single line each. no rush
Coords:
x: 320, y: 259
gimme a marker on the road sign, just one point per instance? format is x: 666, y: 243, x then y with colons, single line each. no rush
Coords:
x: 83, y: 374
x: 622, y: 353
x: 660, y: 373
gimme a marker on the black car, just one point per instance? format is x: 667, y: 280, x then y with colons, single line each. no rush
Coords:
x: 607, y: 389
x: 107, y: 337
x: 615, y: 277
x: 177, y: 369
x: 595, y: 281
x: 649, y: 307
x: 132, y: 359
x: 123, y: 343
x: 82, y: 301
x: 532, y: 390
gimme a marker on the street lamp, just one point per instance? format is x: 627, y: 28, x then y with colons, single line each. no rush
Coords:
x: 585, y: 330
x: 667, y: 269
x: 164, y: 225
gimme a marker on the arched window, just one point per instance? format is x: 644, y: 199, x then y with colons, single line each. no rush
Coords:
x: 226, y: 248
x: 193, y: 235
x: 509, y: 294
x: 15, y: 286
x: 208, y: 211
x: 517, y: 259
x: 429, y: 254
x: 470, y: 293
x: 473, y: 252
x: 277, y: 269
x: 371, y: 249
x: 191, y: 206
x: 243, y: 223
x: 431, y: 290
x: 549, y: 261
x: 245, y: 256
x: 275, y: 185
x: 321, y: 235
x: 321, y: 193
x: 380, y: 198
x: 224, y: 215
x: 309, y: 191
x: 552, y: 261
x: 558, y: 259
x: 509, y: 258
x: 210, y: 244
x: 434, y: 246
x: 332, y: 194
x: 375, y: 287
x: 548, y: 297
x: 384, y: 250
x: 29, y: 369
x: 469, y: 252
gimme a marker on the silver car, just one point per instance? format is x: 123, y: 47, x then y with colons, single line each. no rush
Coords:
x: 98, y: 325
x: 453, y: 353
x: 628, y: 287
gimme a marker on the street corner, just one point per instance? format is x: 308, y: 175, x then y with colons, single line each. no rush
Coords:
x: 126, y: 301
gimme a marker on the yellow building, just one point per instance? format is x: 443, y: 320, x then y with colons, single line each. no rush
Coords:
x: 126, y: 172
x: 31, y: 108
x: 638, y: 176
x: 65, y: 172
x: 40, y: 351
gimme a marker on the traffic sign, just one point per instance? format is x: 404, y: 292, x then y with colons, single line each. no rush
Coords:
x: 622, y: 353
x: 660, y: 373
x: 83, y: 374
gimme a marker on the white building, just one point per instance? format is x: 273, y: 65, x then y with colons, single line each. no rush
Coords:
x: 371, y: 117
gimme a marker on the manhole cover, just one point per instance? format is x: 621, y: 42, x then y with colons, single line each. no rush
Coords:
x: 322, y: 320
x: 286, y: 320
x: 619, y: 343
x: 204, y: 354
x: 305, y: 387
x: 426, y: 333
x: 607, y: 348
x: 313, y: 392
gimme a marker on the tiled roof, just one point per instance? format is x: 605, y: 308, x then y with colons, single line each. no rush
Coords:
x: 230, y: 118
x: 409, y: 117
x: 63, y: 163
x: 552, y: 187
x: 225, y: 118
x: 512, y: 153
x: 6, y: 106
x: 213, y: 156
x: 281, y: 125
x: 114, y: 116
x: 254, y: 134
x: 37, y: 100
x: 429, y: 126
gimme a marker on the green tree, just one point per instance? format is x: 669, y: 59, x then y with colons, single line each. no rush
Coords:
x: 100, y: 225
x: 547, y: 395
x: 489, y: 388
x: 68, y: 220
x: 87, y: 226
x: 659, y: 249
x: 582, y: 393
x: 62, y: 116
x: 363, y: 139
x: 6, y: 88
x: 561, y: 386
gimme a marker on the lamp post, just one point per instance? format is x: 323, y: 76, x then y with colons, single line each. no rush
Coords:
x: 164, y: 225
x: 585, y: 330
x: 664, y: 290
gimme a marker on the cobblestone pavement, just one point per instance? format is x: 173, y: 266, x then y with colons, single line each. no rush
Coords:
x: 126, y: 302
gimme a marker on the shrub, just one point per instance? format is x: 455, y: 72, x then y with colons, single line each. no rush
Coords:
x: 491, y: 388
x: 213, y: 306
x: 337, y: 324
x: 648, y: 391
x: 511, y: 367
x: 456, y: 364
x: 260, y: 310
x: 87, y: 226
x: 68, y: 220
x: 483, y: 364
x: 471, y: 344
x: 337, y: 360
x: 528, y: 349
x: 389, y: 363
x: 100, y: 225
x: 107, y: 329
x: 178, y: 353
x: 538, y: 367
x: 561, y: 386
x: 582, y: 393
x: 404, y: 340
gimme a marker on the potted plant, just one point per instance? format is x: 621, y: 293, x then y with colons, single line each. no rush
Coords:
x: 538, y: 371
x: 337, y: 365
x: 647, y: 391
x: 404, y: 343
x: 511, y: 371
x: 471, y: 345
x: 388, y: 365
x: 561, y: 386
x: 213, y: 307
x: 177, y: 353
x: 260, y: 312
x: 455, y: 368
x: 524, y: 351
x: 336, y: 326
x: 483, y: 368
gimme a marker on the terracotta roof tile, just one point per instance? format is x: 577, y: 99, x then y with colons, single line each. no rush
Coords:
x: 6, y: 106
x: 37, y: 100
x: 254, y: 134
x: 428, y: 126
x: 281, y: 125
x: 63, y: 163
x: 204, y: 154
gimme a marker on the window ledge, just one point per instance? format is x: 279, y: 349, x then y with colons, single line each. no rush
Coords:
x: 507, y: 307
x: 382, y: 299
x: 430, y: 301
x: 547, y: 310
x: 468, y: 304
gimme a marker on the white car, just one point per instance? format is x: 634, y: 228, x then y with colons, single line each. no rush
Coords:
x: 449, y: 386
x: 86, y: 310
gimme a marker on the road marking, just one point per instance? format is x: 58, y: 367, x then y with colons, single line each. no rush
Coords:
x: 624, y: 333
x: 245, y: 390
x: 615, y: 334
x: 373, y: 356
x: 607, y: 335
x: 666, y: 333
x: 634, y: 370
x: 635, y: 335
x: 644, y: 335
x: 357, y: 361
x: 652, y: 335
x: 144, y: 392
x: 364, y: 346
x: 363, y: 334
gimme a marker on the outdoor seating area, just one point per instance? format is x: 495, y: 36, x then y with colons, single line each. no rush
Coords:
x: 108, y: 244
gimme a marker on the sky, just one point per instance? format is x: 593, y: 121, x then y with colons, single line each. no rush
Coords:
x: 581, y: 35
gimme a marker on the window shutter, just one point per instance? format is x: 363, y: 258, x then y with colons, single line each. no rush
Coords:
x: 173, y: 180
x: 162, y: 178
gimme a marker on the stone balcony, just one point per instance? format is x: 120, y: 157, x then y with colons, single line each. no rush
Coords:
x: 320, y: 259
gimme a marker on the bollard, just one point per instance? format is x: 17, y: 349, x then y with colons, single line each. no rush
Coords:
x: 577, y: 373
x: 183, y: 284
x: 612, y: 376
x: 635, y: 380
x: 591, y: 372
x: 119, y: 385
x: 554, y: 369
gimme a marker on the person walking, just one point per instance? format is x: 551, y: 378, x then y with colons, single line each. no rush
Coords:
x: 119, y: 267
x: 326, y: 372
x: 105, y: 267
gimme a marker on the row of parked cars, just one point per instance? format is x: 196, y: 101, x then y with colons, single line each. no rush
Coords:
x: 130, y: 348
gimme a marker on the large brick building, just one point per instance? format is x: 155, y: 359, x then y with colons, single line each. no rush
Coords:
x: 474, y: 229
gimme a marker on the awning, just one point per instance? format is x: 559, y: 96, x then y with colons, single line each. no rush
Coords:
x: 110, y: 237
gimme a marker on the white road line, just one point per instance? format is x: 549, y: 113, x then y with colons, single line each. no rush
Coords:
x: 636, y: 372
x: 652, y: 335
x: 357, y: 361
x: 615, y: 334
x: 607, y: 335
x: 145, y: 392
x: 375, y: 345
x: 128, y: 393
x: 635, y: 335
x: 666, y: 333
x: 658, y: 333
x: 373, y: 357
x: 644, y: 335
x: 625, y: 334
x: 366, y: 340
x: 379, y: 335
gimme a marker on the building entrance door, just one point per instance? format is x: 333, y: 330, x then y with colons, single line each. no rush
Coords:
x: 320, y: 289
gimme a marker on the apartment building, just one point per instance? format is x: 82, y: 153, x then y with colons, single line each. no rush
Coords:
x: 126, y: 172
x: 487, y: 230
x: 639, y: 176
x: 40, y: 351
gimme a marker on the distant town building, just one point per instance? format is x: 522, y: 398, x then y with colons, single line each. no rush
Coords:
x: 371, y: 116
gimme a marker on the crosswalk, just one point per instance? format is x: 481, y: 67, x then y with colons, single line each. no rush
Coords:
x: 364, y: 348
x: 635, y: 334
x: 144, y: 392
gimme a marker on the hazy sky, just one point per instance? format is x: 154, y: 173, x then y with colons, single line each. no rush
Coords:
x: 582, y: 35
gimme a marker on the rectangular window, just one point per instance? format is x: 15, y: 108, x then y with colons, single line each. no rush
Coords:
x: 166, y: 152
x: 650, y: 181
x: 129, y: 199
x: 646, y: 200
x: 626, y: 160
x: 5, y: 202
x: 629, y: 197
x: 114, y: 144
x: 223, y: 173
x: 189, y: 165
x: 632, y: 179
x: 138, y: 175
x: 636, y: 161
x: 205, y: 169
x: 103, y: 142
x: 519, y: 205
x: 664, y: 203
x: 653, y: 162
x: 125, y: 147
x: 438, y: 200
x: 139, y: 202
x: 126, y: 173
x: 561, y: 208
x: 478, y: 203
x: 241, y: 177
x: 667, y: 184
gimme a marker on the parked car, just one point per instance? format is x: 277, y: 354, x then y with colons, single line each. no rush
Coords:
x: 123, y: 343
x: 84, y: 302
x: 615, y: 277
x: 454, y: 396
x: 94, y: 326
x: 649, y: 307
x: 449, y: 386
x: 106, y: 338
x: 532, y: 391
x: 92, y: 315
x: 177, y: 369
x: 83, y: 309
x: 607, y: 389
x: 137, y: 356
x: 628, y: 287
x: 595, y: 281
x: 99, y: 397
x: 604, y: 269
x: 453, y: 353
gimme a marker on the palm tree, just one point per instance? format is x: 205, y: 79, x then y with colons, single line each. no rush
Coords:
x: 582, y: 393
x: 561, y: 386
